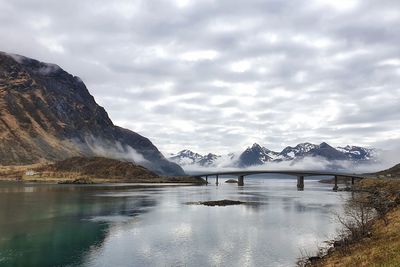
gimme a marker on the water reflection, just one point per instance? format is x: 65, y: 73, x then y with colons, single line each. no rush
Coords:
x: 54, y: 226
x: 47, y: 225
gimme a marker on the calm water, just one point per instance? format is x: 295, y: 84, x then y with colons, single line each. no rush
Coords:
x: 67, y: 225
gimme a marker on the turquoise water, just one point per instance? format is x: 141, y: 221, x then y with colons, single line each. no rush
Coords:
x: 125, y: 225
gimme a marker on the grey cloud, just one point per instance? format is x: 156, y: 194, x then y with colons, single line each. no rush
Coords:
x: 314, y: 73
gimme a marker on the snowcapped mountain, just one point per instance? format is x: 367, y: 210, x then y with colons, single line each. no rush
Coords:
x: 208, y: 160
x: 187, y: 157
x: 290, y: 152
x: 326, y: 151
x: 358, y: 153
x: 258, y: 155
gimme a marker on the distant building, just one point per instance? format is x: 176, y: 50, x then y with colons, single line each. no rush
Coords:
x: 30, y: 173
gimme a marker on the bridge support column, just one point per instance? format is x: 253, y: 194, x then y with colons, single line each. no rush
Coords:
x: 335, y: 187
x: 352, y: 180
x: 300, y: 183
x: 241, y: 180
x: 216, y: 179
x: 206, y: 180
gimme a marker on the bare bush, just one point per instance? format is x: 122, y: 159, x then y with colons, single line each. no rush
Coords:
x: 357, y: 216
x: 382, y: 204
x: 356, y: 219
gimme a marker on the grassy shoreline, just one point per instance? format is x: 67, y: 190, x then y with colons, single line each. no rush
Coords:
x: 184, y: 180
x: 380, y: 244
x: 95, y: 170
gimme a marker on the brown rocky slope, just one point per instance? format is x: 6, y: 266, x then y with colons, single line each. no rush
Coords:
x: 46, y: 114
x: 98, y: 169
x: 391, y: 172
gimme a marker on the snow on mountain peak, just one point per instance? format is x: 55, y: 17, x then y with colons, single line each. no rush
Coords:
x: 188, y: 157
x: 259, y: 155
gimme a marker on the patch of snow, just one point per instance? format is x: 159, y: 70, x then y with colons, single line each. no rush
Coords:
x: 342, y: 149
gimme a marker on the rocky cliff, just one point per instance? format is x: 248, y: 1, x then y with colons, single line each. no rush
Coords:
x: 47, y: 114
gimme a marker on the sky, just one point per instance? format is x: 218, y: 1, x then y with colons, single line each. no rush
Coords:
x: 219, y: 75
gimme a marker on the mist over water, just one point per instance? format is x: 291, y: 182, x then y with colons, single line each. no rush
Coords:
x: 125, y: 225
x: 385, y: 160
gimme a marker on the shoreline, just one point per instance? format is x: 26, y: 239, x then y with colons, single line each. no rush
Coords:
x: 101, y: 181
x: 99, y: 184
x: 364, y: 248
x: 95, y: 170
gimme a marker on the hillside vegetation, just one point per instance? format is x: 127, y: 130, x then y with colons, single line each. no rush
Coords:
x: 380, y: 244
x: 85, y: 170
x: 392, y: 172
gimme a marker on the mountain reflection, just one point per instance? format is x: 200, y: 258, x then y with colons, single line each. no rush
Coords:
x: 49, y: 225
x: 54, y: 225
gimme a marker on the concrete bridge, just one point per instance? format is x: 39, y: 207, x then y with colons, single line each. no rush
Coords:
x: 300, y: 174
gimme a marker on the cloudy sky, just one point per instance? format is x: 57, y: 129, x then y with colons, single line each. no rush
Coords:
x: 219, y: 75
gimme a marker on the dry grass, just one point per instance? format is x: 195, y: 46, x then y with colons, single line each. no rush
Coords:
x: 392, y: 172
x: 381, y: 249
x: 90, y: 170
x: 73, y: 178
x: 383, y: 184
x: 15, y: 171
x: 382, y: 246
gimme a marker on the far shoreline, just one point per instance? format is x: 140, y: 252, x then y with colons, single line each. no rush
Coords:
x: 100, y: 181
x: 91, y: 170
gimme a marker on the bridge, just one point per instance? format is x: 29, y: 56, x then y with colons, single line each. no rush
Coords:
x: 300, y: 174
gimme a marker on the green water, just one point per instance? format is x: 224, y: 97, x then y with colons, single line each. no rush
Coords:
x: 72, y: 225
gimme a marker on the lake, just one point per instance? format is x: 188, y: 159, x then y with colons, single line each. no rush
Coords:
x: 133, y: 225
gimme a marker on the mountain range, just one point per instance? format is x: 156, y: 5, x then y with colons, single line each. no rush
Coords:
x: 47, y: 114
x: 258, y: 155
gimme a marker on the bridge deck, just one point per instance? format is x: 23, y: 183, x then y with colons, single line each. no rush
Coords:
x: 286, y: 172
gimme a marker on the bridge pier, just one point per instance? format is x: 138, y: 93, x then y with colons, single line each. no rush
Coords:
x: 335, y: 187
x: 299, y: 174
x: 241, y: 180
x: 300, y: 183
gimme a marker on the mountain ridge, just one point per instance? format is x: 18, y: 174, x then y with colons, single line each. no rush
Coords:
x: 47, y: 114
x: 256, y: 155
